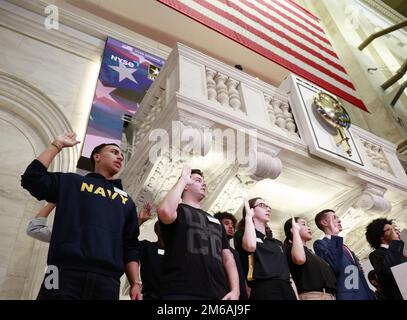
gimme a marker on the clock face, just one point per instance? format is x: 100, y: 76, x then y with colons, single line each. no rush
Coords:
x: 326, y: 125
x: 331, y: 110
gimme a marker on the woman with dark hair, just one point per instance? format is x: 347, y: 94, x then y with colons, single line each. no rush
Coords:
x: 385, y: 239
x: 263, y: 258
x: 313, y: 276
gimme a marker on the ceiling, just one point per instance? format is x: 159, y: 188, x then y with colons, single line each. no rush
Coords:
x: 167, y: 26
x: 398, y: 5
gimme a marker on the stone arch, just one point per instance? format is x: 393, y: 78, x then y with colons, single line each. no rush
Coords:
x: 29, y: 122
x: 37, y: 111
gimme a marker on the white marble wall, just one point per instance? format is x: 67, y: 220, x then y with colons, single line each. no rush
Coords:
x: 15, y: 247
x: 58, y: 75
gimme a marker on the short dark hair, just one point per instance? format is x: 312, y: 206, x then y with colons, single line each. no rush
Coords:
x: 225, y: 215
x: 197, y: 171
x: 321, y: 215
x: 194, y: 171
x: 98, y: 149
x: 374, y: 231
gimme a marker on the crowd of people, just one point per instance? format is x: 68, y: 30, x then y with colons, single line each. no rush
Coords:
x: 95, y: 239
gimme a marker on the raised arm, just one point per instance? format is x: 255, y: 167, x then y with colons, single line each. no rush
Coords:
x: 60, y: 142
x: 145, y: 213
x: 331, y: 251
x: 249, y: 235
x: 37, y: 228
x: 297, y: 251
x: 167, y: 210
x: 36, y: 179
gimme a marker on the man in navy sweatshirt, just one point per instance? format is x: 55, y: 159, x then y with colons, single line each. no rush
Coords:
x: 95, y: 232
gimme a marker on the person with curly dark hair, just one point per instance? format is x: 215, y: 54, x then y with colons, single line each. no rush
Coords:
x: 383, y: 237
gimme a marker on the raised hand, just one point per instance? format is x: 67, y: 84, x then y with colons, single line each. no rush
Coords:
x: 333, y: 225
x: 249, y: 211
x: 66, y: 140
x: 186, y: 175
x: 145, y: 213
x: 295, y: 226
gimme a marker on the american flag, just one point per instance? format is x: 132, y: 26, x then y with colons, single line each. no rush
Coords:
x: 281, y: 31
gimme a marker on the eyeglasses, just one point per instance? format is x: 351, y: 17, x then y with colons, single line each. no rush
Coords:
x: 391, y: 229
x: 262, y: 205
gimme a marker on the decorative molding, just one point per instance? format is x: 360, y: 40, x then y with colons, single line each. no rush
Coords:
x: 372, y: 198
x: 225, y: 118
x: 231, y: 72
x: 22, y: 99
x: 268, y: 166
x: 230, y: 198
x: 66, y: 38
x: 280, y: 115
x: 376, y: 156
x: 385, y: 10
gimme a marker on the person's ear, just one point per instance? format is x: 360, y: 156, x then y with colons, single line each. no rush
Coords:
x: 96, y: 157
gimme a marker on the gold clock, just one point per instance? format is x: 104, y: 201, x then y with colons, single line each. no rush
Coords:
x: 335, y: 115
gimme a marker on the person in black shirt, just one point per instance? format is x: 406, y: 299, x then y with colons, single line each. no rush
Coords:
x: 313, y: 276
x: 263, y: 258
x: 229, y: 223
x: 197, y: 262
x: 95, y: 231
x: 151, y: 261
x: 384, y: 238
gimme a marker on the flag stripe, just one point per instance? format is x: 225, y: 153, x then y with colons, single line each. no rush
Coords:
x: 306, y: 61
x: 288, y: 15
x: 293, y: 35
x: 285, y: 18
x: 298, y: 11
x: 251, y: 30
x: 291, y: 25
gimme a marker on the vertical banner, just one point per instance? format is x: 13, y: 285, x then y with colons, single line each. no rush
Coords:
x: 125, y: 75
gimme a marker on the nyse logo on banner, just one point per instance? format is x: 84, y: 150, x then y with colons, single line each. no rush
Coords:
x: 124, y: 61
